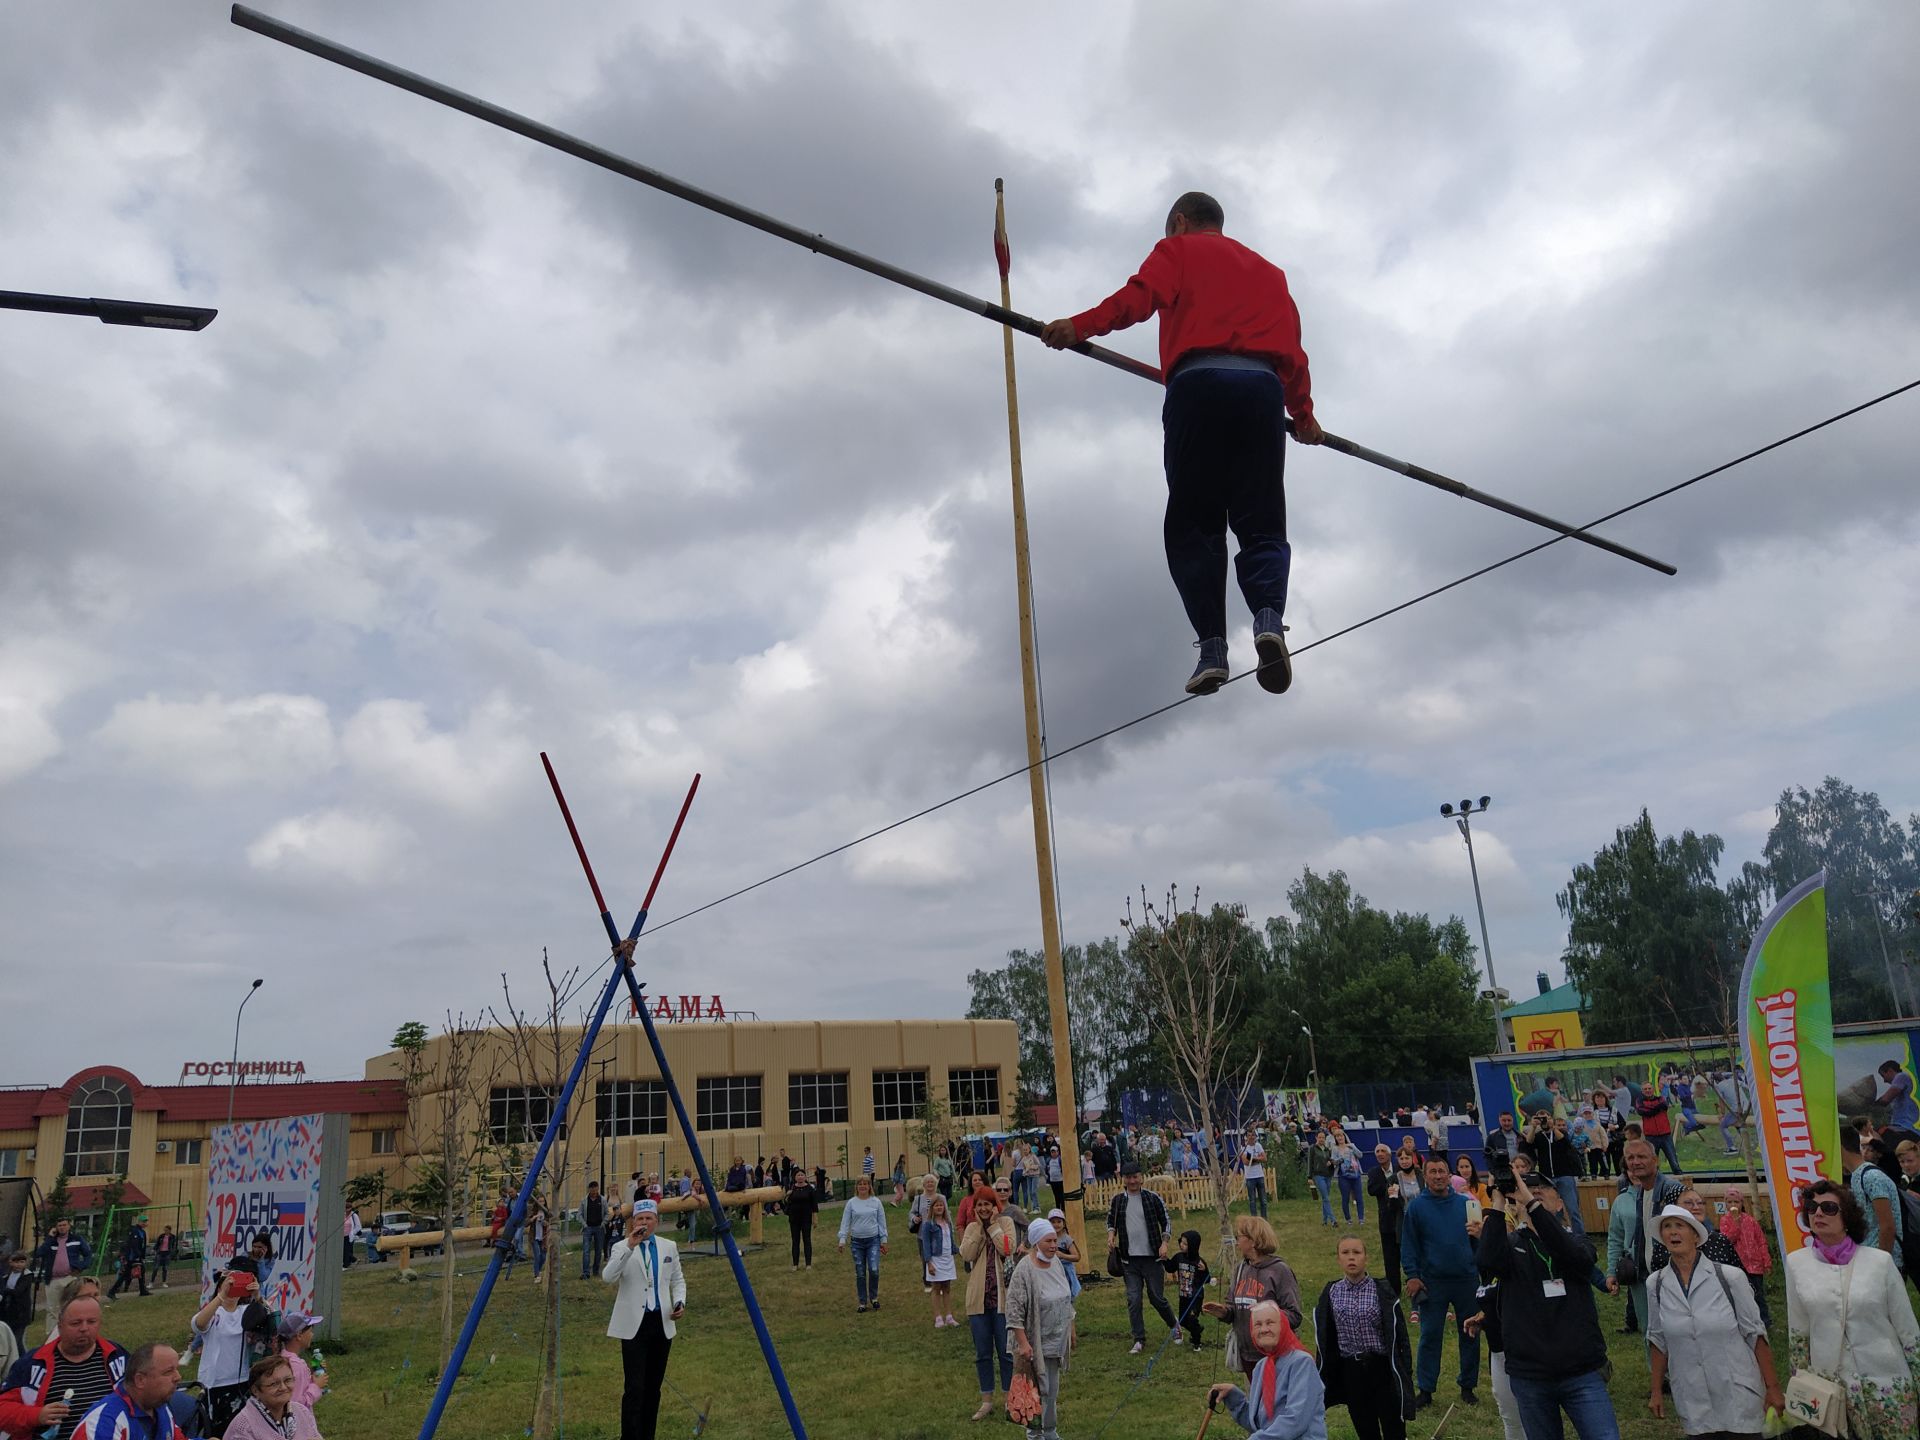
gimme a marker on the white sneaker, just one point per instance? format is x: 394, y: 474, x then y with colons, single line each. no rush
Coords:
x: 1178, y: 1339
x: 1138, y: 1346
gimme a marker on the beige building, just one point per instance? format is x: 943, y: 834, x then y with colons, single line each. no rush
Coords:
x: 821, y: 1090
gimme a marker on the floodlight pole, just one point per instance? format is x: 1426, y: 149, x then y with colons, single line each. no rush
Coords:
x: 498, y: 115
x: 1459, y: 818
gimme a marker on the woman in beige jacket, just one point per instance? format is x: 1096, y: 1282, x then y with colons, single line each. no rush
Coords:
x: 989, y: 1247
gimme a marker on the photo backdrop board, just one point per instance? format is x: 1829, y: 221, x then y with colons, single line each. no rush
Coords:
x: 266, y: 1176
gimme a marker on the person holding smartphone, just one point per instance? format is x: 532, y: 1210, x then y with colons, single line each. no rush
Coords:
x: 652, y: 1296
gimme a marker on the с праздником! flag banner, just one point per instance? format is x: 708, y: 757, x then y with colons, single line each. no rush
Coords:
x: 1786, y: 1037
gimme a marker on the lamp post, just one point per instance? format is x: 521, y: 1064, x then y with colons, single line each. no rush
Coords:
x: 233, y: 1070
x: 151, y: 316
x: 1459, y: 818
x: 1874, y: 897
x: 1313, y: 1059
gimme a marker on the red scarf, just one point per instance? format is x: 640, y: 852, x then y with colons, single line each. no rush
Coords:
x: 1287, y: 1343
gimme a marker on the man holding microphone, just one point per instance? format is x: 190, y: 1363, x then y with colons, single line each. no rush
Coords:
x: 652, y: 1295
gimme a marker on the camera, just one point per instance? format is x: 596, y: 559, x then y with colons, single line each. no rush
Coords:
x: 1504, y: 1179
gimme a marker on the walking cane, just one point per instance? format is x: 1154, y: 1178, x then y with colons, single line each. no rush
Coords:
x: 1206, y: 1419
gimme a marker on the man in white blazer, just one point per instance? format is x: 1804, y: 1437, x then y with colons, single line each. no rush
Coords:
x: 652, y: 1295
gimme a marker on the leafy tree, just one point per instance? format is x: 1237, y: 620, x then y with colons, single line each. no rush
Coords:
x: 1103, y: 1018
x: 1653, y: 942
x: 1387, y: 996
x: 113, y: 1226
x: 1023, y: 1117
x: 1873, y: 864
x: 927, y: 1132
x: 1194, y: 964
x: 367, y: 1189
x: 58, y: 1205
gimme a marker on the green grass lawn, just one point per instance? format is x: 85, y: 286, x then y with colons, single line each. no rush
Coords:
x: 885, y: 1374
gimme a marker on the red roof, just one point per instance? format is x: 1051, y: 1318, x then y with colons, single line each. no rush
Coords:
x: 258, y: 1100
x: 271, y: 1102
x: 82, y: 1198
x: 17, y: 1108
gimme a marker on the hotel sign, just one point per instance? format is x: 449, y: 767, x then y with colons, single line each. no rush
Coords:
x: 210, y: 1071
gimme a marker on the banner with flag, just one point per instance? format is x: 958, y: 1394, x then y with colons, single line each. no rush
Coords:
x: 263, y: 1182
x: 1786, y: 1037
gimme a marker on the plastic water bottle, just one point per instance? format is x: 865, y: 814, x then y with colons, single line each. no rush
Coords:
x: 52, y: 1431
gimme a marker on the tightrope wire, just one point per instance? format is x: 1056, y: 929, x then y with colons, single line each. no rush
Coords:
x: 1048, y: 756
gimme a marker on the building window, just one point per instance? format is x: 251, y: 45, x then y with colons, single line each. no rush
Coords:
x: 9, y: 1163
x: 519, y: 1114
x: 973, y: 1092
x: 386, y: 1142
x: 728, y: 1102
x: 817, y: 1099
x: 99, y: 1128
x: 630, y: 1107
x: 188, y: 1152
x: 899, y: 1094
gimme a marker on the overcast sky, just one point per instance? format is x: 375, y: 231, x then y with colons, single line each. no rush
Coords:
x: 489, y: 452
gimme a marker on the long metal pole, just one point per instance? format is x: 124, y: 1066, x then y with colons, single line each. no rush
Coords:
x: 1057, y: 1012
x: 1893, y: 993
x: 623, y: 972
x: 505, y: 119
x: 1499, y: 1030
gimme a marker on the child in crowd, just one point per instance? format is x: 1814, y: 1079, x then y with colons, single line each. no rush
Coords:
x: 1189, y: 1267
x: 936, y: 1256
x: 1366, y: 1357
x: 1069, y: 1258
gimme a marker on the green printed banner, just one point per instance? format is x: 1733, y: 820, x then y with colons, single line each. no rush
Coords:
x: 1786, y: 1034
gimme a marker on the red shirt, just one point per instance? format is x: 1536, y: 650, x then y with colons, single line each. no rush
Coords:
x: 1653, y: 1116
x: 1211, y: 293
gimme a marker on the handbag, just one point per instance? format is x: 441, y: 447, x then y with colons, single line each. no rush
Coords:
x: 1814, y: 1400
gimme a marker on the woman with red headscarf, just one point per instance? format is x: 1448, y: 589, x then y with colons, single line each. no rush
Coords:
x: 1286, y: 1399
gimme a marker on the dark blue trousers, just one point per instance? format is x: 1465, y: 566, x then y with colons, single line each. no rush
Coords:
x: 1226, y: 459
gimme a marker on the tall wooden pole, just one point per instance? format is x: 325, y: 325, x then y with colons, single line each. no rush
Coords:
x: 1036, y: 772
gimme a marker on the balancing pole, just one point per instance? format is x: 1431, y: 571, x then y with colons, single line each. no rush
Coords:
x: 325, y: 49
x: 623, y: 973
x: 1063, y: 1088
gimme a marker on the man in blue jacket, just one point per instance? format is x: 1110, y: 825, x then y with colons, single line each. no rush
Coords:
x: 1437, y: 1255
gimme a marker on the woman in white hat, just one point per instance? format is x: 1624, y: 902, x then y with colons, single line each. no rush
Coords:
x: 1040, y: 1328
x: 1706, y: 1338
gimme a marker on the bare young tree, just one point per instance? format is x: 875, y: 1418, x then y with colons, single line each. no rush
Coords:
x: 1195, y: 990
x: 541, y: 1050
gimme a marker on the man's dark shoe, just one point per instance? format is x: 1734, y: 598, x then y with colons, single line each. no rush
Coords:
x: 1422, y: 1399
x: 1270, y: 644
x: 1211, y: 673
x: 1467, y: 1397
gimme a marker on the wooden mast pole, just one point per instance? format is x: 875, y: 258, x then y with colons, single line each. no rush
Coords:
x: 1036, y: 772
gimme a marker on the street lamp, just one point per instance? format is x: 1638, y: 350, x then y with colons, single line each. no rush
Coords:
x: 233, y: 1070
x: 1874, y: 897
x: 1459, y: 818
x: 151, y: 316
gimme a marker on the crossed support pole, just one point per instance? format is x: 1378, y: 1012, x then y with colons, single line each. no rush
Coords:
x: 622, y: 975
